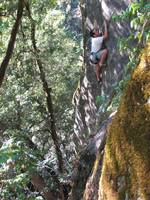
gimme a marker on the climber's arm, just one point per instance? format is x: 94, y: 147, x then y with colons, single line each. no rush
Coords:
x: 106, y: 31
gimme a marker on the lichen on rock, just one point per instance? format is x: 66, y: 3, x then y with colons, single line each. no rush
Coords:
x: 126, y: 167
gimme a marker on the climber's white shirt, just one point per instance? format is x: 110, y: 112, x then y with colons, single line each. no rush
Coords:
x: 96, y: 43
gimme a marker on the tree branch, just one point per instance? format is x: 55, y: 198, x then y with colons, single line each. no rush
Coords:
x: 12, y: 40
x: 47, y: 91
x: 48, y: 98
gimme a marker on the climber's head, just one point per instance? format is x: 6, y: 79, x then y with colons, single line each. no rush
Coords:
x: 95, y: 32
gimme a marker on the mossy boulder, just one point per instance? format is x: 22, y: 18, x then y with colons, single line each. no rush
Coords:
x: 126, y: 166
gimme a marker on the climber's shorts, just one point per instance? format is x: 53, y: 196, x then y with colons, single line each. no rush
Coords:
x: 95, y: 57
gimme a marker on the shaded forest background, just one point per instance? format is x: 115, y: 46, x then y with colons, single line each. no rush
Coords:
x: 36, y: 111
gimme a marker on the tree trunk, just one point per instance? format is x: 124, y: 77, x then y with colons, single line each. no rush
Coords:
x: 48, y: 94
x: 48, y: 99
x: 12, y: 40
x: 40, y: 185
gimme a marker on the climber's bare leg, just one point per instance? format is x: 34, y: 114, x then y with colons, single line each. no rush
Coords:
x: 98, y: 72
x: 103, y: 57
x: 100, y: 63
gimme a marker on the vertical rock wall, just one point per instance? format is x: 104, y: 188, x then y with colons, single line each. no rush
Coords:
x: 124, y: 171
x: 86, y: 108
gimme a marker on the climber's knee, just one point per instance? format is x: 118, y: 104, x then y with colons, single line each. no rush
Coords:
x: 106, y: 51
x: 104, y: 55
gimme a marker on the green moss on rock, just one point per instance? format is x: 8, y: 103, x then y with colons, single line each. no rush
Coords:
x: 126, y: 167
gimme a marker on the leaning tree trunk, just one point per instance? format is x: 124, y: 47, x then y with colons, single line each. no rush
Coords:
x: 12, y: 40
x: 47, y: 90
x: 48, y: 94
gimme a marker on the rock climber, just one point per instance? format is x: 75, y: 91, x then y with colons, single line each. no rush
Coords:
x: 98, y: 55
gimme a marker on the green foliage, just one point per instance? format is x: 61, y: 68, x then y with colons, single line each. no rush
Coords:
x: 100, y: 99
x: 138, y: 13
x: 17, y: 162
x: 23, y: 109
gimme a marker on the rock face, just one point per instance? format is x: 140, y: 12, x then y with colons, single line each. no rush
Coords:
x: 119, y: 170
x: 86, y: 93
x: 123, y: 173
x: 88, y: 171
x: 126, y: 166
